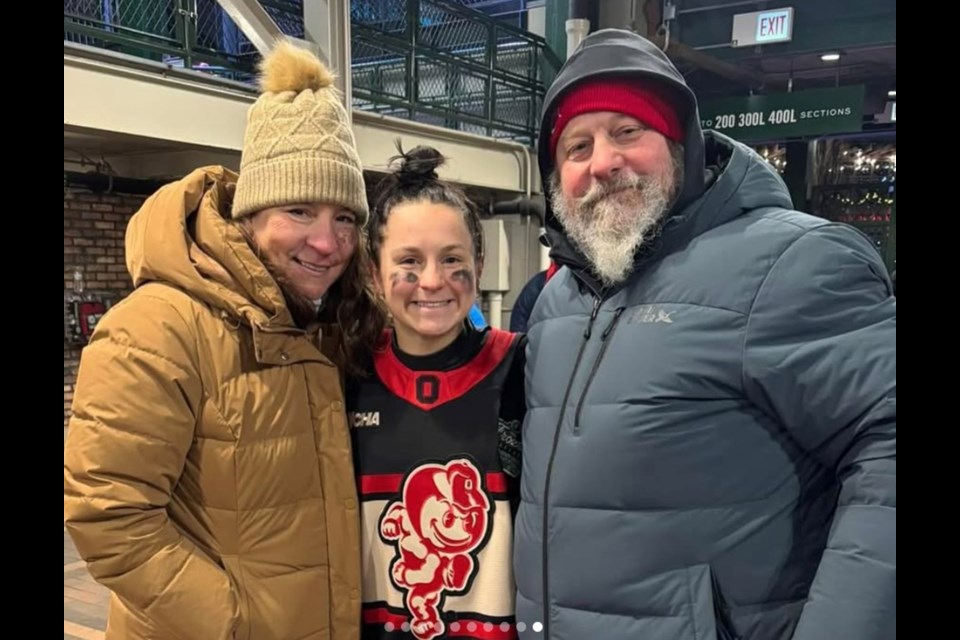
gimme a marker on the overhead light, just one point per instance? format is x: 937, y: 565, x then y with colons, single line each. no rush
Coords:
x: 830, y: 57
x: 892, y: 93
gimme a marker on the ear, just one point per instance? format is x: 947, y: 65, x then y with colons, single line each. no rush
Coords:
x: 479, y: 273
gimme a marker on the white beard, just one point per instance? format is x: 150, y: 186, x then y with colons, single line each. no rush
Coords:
x: 614, y: 219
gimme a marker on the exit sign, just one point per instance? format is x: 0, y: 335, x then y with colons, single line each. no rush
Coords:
x: 762, y: 27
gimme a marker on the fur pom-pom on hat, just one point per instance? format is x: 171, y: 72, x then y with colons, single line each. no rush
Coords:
x: 291, y: 68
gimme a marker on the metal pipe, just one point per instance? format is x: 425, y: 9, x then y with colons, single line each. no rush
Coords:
x: 528, y: 194
x: 104, y: 183
x: 577, y: 30
x: 524, y: 151
x: 578, y: 24
x: 535, y: 207
x: 495, y: 301
x: 522, y: 206
x: 708, y: 47
x: 578, y: 10
x: 714, y: 7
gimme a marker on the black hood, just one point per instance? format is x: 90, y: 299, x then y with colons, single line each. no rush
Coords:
x: 619, y: 53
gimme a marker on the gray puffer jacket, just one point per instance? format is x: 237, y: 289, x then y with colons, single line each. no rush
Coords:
x: 710, y: 448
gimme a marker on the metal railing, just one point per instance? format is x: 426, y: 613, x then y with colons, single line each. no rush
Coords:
x: 432, y: 61
x: 441, y: 63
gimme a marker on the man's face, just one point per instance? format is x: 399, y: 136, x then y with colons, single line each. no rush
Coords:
x: 614, y: 182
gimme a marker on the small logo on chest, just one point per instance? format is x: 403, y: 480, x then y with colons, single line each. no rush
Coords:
x: 651, y: 314
x: 359, y: 419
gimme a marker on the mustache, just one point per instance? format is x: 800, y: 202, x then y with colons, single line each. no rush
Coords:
x: 601, y: 190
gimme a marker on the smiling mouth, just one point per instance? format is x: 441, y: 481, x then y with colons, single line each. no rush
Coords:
x: 603, y: 196
x: 433, y: 304
x: 318, y: 269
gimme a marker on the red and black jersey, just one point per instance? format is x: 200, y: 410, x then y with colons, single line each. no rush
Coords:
x: 434, y: 440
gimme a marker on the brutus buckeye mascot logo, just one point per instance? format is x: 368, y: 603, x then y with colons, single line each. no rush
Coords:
x: 438, y: 526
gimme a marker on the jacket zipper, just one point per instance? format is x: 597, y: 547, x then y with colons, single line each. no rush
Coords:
x: 598, y: 300
x: 596, y: 365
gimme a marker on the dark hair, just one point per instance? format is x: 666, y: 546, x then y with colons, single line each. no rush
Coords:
x: 414, y: 178
x: 357, y: 310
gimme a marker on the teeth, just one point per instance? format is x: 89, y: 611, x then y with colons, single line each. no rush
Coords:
x: 313, y: 267
x: 432, y: 305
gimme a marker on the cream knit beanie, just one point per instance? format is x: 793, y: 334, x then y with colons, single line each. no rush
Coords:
x: 298, y: 147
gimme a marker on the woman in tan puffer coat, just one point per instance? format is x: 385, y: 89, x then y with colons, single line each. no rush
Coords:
x: 207, y: 470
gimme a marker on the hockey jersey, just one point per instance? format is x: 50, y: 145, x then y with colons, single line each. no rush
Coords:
x: 436, y: 446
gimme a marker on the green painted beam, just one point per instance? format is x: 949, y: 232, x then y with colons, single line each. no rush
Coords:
x: 556, y: 31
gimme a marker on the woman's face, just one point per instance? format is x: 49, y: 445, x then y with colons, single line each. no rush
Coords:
x: 309, y: 244
x: 427, y: 274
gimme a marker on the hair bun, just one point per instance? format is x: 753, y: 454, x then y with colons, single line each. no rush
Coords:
x: 417, y: 166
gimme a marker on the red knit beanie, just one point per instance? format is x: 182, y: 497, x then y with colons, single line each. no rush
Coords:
x: 645, y: 101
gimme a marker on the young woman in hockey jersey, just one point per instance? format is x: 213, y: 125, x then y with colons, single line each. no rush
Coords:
x: 436, y: 427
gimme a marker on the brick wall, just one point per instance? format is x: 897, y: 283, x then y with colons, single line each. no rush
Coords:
x: 93, y: 229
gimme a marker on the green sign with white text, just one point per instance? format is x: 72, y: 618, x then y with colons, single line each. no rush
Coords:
x: 786, y: 115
